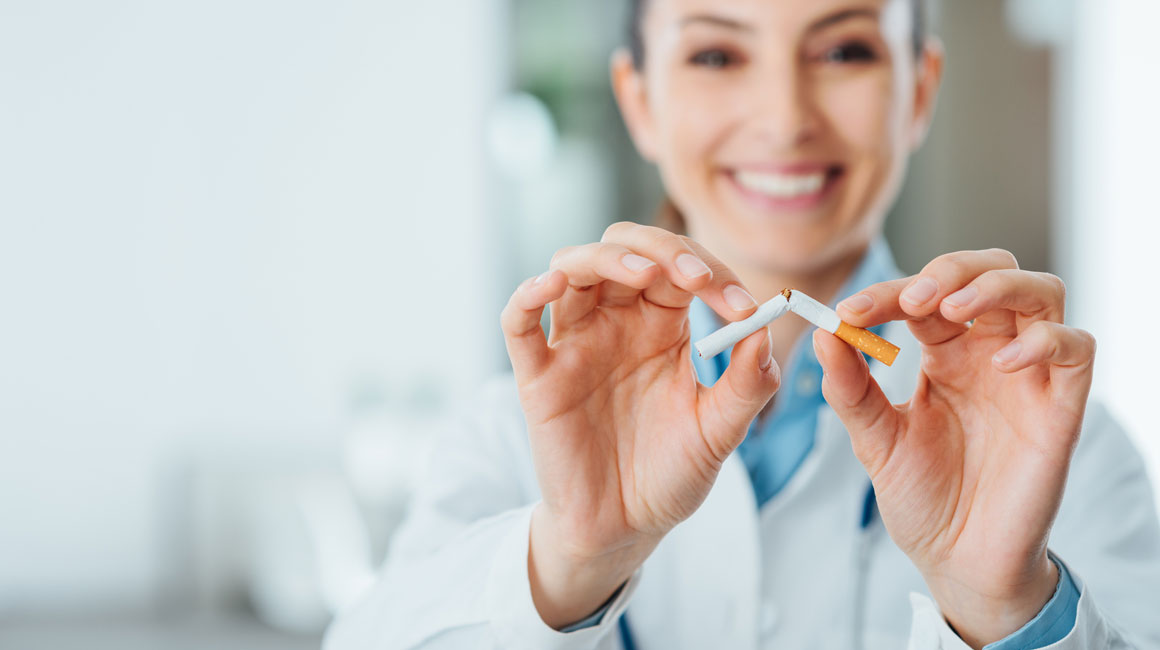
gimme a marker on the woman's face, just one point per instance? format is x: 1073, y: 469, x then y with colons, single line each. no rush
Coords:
x: 781, y: 128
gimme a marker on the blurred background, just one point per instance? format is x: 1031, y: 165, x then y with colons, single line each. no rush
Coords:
x: 252, y: 254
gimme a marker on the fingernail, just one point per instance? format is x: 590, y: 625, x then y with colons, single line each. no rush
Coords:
x: 818, y: 350
x: 859, y: 304
x: 920, y: 291
x: 636, y: 263
x: 738, y: 298
x: 765, y: 353
x: 691, y: 266
x: 1009, y: 354
x: 541, y: 277
x: 962, y: 297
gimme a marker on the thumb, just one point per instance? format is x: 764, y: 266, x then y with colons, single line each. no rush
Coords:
x: 739, y: 395
x: 870, y: 419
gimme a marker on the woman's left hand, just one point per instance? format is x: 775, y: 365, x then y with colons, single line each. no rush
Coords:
x: 970, y: 472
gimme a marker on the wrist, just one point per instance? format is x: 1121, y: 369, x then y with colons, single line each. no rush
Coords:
x: 569, y: 583
x: 983, y: 616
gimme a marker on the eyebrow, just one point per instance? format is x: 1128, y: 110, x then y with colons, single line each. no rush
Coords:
x: 822, y: 23
x: 719, y: 21
x: 843, y: 16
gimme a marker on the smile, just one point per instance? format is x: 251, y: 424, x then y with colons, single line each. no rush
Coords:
x: 801, y: 188
x: 781, y: 186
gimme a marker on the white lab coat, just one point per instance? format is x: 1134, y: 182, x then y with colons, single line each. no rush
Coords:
x: 799, y: 573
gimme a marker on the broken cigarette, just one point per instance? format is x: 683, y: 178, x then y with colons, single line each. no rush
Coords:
x: 827, y: 319
x: 728, y: 336
x: 809, y: 309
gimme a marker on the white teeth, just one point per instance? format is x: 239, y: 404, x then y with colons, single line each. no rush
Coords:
x: 781, y: 186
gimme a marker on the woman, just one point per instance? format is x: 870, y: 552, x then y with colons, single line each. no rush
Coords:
x: 781, y: 129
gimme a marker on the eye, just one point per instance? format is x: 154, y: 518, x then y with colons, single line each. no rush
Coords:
x: 849, y: 53
x: 712, y: 59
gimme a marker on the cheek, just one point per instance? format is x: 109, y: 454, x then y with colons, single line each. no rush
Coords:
x: 696, y: 119
x: 862, y: 113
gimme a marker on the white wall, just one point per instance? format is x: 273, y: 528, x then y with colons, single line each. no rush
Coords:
x: 1111, y: 197
x: 216, y: 220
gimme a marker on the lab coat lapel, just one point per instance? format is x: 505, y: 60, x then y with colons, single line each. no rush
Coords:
x: 719, y: 565
x: 701, y: 588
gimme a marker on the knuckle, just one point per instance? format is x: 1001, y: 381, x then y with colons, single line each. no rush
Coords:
x: 991, y: 280
x: 600, y: 250
x: 561, y: 255
x: 1088, y: 341
x: 1058, y: 288
x: 1005, y: 257
x: 618, y: 229
x: 947, y: 266
x: 1054, y: 349
x: 659, y: 238
x: 507, y: 318
x: 1041, y: 330
x: 935, y: 264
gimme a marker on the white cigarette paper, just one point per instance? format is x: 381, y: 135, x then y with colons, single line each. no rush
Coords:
x: 815, y: 312
x: 827, y: 319
x: 731, y: 334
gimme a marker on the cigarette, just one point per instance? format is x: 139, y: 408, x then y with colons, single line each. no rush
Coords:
x: 731, y: 334
x: 809, y: 309
x: 825, y: 318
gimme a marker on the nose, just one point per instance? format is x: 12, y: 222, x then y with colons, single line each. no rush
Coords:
x: 783, y: 111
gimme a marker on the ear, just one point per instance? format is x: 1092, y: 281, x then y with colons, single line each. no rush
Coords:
x: 928, y: 80
x: 632, y: 98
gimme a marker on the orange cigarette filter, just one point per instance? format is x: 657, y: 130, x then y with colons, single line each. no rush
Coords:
x: 868, y: 342
x: 827, y: 319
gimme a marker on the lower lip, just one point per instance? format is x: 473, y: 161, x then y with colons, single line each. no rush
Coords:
x: 800, y: 203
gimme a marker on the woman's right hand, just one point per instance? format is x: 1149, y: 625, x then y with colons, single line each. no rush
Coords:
x: 626, y: 443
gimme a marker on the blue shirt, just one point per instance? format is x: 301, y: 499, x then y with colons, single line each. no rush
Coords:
x: 774, y: 449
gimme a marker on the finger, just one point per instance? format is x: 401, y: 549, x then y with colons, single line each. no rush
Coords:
x: 592, y: 264
x: 1037, y: 295
x: 878, y: 304
x: 684, y: 272
x: 688, y: 268
x: 725, y: 295
x: 739, y: 395
x: 858, y: 400
x: 1050, y: 343
x: 946, y: 274
x: 597, y: 269
x: 520, y: 321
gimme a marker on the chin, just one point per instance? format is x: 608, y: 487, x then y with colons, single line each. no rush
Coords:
x: 787, y: 242
x: 786, y: 255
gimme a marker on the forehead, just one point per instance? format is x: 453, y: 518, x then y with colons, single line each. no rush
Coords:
x: 776, y: 15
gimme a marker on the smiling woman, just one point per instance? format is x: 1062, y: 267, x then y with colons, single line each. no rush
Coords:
x: 669, y: 217
x: 836, y: 91
x: 617, y: 491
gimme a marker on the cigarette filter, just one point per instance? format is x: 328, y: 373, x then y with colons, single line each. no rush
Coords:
x: 827, y: 319
x: 731, y: 334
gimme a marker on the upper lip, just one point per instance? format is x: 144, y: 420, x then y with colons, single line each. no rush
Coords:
x: 800, y: 168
